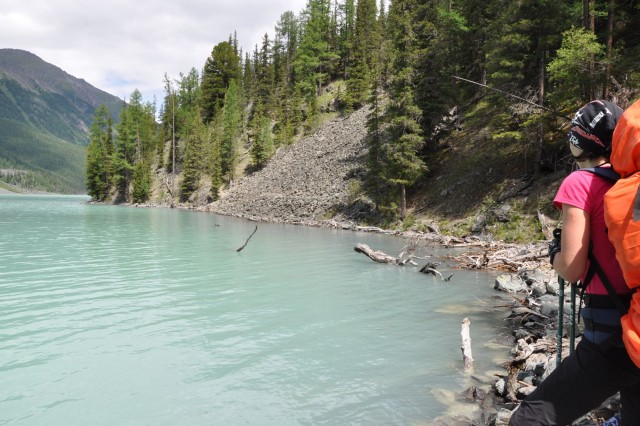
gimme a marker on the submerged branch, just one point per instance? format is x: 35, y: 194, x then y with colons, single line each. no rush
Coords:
x: 247, y: 242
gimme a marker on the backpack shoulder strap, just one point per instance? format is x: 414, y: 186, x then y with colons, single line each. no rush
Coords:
x: 607, y: 284
x: 604, y: 172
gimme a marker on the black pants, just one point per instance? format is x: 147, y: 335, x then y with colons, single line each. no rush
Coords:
x: 582, y: 382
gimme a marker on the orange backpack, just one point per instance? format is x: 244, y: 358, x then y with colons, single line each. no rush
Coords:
x: 622, y: 216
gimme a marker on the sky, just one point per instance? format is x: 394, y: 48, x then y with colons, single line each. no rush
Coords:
x: 122, y: 45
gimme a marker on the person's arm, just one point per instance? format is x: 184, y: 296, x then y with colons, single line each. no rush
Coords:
x: 571, y: 262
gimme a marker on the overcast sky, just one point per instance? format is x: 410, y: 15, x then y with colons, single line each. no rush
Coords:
x: 122, y: 45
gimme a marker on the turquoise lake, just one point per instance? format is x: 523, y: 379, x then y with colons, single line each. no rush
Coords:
x: 114, y: 315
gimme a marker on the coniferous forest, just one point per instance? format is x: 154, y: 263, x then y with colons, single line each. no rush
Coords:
x: 519, y: 67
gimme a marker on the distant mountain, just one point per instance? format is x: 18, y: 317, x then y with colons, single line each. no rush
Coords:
x: 45, y: 115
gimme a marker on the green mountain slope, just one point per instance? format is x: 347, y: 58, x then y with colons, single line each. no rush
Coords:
x: 39, y: 161
x: 45, y: 115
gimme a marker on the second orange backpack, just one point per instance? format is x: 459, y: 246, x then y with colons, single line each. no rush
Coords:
x: 622, y: 216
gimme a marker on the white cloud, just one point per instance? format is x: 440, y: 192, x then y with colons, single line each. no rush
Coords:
x: 122, y: 45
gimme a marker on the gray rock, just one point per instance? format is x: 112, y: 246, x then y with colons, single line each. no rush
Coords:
x: 525, y: 374
x: 521, y: 334
x: 525, y: 391
x: 538, y: 289
x: 553, y: 287
x: 503, y: 417
x: 511, y: 284
x: 537, y: 275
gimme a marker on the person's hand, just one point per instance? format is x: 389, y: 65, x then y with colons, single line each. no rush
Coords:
x: 554, y: 244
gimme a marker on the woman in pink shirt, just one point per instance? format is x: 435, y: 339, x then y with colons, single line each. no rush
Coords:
x: 600, y: 366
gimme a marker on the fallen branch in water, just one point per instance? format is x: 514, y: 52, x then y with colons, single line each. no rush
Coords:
x: 430, y: 268
x: 381, y: 257
x: 247, y: 242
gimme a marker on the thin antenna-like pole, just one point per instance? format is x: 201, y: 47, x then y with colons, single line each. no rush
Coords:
x: 513, y: 96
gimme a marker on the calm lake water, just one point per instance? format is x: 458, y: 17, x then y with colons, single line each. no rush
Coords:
x: 131, y: 316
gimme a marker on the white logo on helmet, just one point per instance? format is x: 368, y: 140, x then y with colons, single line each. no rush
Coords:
x: 596, y: 119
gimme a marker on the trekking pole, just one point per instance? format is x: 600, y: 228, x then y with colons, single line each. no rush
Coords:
x: 560, y: 320
x: 572, y: 324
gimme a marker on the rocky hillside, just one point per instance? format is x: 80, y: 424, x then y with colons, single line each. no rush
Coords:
x: 305, y: 182
x: 474, y: 186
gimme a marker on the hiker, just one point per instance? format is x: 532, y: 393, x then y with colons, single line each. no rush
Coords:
x: 600, y: 366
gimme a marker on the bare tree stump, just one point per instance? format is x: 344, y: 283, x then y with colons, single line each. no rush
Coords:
x: 466, y: 344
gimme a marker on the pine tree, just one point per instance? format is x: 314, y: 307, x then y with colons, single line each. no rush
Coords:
x: 99, y: 152
x: 141, y: 182
x: 189, y: 98
x: 194, y: 165
x: 287, y: 30
x: 169, y: 123
x: 346, y: 30
x: 220, y: 68
x: 135, y: 143
x: 124, y: 155
x: 365, y: 41
x: 248, y: 77
x: 375, y: 142
x: 400, y: 162
x: 231, y: 128
x: 215, y: 158
x: 520, y: 36
x: 262, y: 147
x: 264, y: 76
x: 314, y: 55
x: 440, y: 34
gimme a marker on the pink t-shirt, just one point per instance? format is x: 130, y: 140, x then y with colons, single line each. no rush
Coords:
x: 585, y: 191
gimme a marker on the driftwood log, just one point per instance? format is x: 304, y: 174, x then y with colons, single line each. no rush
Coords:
x: 406, y: 256
x: 504, y: 257
x: 381, y: 257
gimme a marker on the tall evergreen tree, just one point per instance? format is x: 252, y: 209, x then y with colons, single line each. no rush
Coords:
x: 440, y: 30
x: 520, y: 38
x: 248, y: 77
x: 220, y: 68
x: 189, y: 97
x: 262, y: 147
x: 375, y: 142
x: 99, y: 152
x: 141, y: 182
x: 287, y: 32
x: 365, y: 42
x: 264, y: 69
x: 168, y: 118
x: 124, y: 155
x: 135, y: 143
x: 400, y: 162
x: 346, y: 29
x: 195, y: 164
x: 214, y: 132
x: 314, y: 56
x: 231, y: 128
